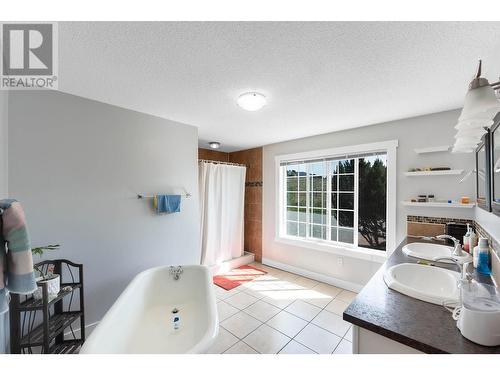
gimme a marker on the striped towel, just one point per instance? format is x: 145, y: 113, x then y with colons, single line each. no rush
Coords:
x: 16, y: 261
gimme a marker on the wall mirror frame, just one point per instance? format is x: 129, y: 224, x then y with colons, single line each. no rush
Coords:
x: 495, y: 165
x: 483, y: 172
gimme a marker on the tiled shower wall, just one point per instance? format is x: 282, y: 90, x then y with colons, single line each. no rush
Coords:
x: 432, y: 226
x: 253, y: 192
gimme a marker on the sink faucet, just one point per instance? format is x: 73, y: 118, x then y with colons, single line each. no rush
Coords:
x: 465, y: 276
x: 176, y: 272
x: 457, y: 251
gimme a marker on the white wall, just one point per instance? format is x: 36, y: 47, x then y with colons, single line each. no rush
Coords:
x: 424, y: 131
x: 76, y: 165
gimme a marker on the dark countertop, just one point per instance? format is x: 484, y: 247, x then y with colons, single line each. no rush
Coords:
x: 418, y: 324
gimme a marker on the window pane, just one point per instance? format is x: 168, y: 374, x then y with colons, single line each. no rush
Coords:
x: 291, y: 228
x: 302, y: 169
x: 372, y: 202
x: 346, y: 200
x: 334, y: 200
x: 302, y: 215
x: 318, y: 200
x: 318, y: 231
x: 302, y: 199
x: 346, y: 166
x: 302, y: 183
x: 292, y: 184
x: 317, y: 169
x: 333, y: 233
x: 346, y: 182
x: 302, y: 229
x: 346, y: 235
x: 318, y: 183
x: 292, y: 170
x: 334, y: 183
x: 334, y: 218
x: 346, y: 219
x: 291, y: 213
x: 318, y: 216
x: 291, y: 199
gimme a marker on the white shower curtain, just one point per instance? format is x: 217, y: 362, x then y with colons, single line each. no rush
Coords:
x: 222, y: 200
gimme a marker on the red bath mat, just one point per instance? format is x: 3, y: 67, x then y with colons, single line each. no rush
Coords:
x: 238, y: 276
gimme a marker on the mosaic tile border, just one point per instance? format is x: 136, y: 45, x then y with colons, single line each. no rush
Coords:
x: 253, y: 184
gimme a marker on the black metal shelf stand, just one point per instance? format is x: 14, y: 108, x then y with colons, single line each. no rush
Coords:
x: 40, y: 325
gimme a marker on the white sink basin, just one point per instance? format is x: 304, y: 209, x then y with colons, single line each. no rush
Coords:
x: 426, y: 283
x: 430, y: 251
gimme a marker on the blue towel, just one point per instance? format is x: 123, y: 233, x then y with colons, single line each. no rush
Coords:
x: 167, y: 204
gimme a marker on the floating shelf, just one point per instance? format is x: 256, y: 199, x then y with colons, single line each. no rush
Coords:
x: 438, y: 204
x: 435, y: 173
x: 428, y: 150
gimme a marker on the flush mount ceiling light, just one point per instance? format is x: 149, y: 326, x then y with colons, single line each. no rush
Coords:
x: 214, y: 145
x: 252, y: 101
x: 480, y: 107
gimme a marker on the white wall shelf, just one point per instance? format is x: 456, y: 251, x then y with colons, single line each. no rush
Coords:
x: 438, y: 204
x: 428, y: 150
x: 435, y: 173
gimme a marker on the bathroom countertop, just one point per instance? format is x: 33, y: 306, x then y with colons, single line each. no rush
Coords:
x: 420, y: 325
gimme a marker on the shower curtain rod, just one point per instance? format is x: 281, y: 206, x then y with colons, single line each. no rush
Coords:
x: 220, y: 162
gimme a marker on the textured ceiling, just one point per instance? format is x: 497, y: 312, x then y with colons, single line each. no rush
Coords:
x: 319, y: 77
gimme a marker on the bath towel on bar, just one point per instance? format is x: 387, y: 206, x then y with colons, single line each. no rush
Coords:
x: 16, y: 261
x: 167, y: 204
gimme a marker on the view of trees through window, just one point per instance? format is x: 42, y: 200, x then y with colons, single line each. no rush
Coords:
x: 320, y: 200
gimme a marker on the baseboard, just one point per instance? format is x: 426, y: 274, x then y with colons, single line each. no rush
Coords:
x: 353, y: 287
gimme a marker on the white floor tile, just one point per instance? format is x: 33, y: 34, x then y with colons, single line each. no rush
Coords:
x: 318, y: 339
x: 303, y: 310
x: 345, y: 347
x: 316, y: 298
x: 262, y: 310
x: 305, y: 282
x: 287, y: 323
x: 222, y: 294
x: 346, y: 296
x: 223, y: 342
x: 278, y: 300
x: 240, y: 324
x: 241, y: 300
x: 337, y: 306
x: 240, y: 348
x: 266, y: 340
x: 293, y: 347
x: 225, y: 310
x: 327, y: 289
x: 331, y: 322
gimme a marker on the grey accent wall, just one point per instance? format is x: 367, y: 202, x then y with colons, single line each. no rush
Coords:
x: 417, y: 132
x: 76, y: 165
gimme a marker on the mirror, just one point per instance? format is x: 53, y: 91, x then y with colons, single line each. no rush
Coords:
x: 483, y: 188
x: 495, y: 170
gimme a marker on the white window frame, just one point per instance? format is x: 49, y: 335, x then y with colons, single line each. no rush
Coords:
x: 390, y: 148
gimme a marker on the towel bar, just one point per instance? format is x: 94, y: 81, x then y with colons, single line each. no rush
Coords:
x: 141, y: 196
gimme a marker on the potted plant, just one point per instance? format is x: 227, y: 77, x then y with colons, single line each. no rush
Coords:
x: 52, y: 280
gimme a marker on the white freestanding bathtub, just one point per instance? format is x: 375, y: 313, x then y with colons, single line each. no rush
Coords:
x: 141, y: 319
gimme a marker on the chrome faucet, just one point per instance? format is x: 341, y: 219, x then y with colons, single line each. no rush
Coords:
x: 465, y: 276
x: 457, y: 251
x: 176, y: 272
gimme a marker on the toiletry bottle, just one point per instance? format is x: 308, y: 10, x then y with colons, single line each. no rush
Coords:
x: 483, y: 259
x: 472, y: 240
x: 466, y: 239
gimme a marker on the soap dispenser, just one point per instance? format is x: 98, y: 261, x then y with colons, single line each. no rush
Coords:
x: 483, y: 256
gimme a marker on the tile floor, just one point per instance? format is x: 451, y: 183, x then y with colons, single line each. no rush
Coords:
x: 283, y: 313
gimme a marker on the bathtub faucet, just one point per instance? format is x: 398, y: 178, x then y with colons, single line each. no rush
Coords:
x: 176, y: 272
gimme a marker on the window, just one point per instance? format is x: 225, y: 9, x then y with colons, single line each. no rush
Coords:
x: 335, y: 200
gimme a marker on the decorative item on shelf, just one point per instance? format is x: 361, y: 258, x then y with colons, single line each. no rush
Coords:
x: 48, y: 277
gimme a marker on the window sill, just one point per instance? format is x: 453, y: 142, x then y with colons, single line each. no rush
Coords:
x: 352, y: 252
